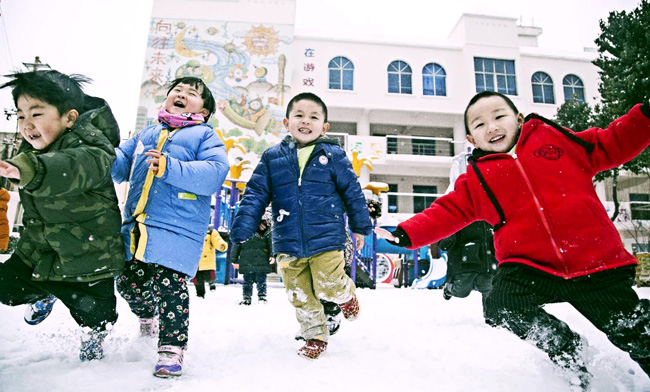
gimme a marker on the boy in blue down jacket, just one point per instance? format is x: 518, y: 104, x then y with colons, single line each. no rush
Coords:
x: 310, y: 184
x: 172, y: 168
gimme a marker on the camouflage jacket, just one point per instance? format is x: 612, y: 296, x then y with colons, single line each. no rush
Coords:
x: 71, y: 218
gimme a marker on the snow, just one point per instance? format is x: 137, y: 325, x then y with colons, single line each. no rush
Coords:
x: 404, y: 339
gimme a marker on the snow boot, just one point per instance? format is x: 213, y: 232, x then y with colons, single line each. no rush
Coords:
x: 246, y: 301
x: 39, y: 310
x: 92, y: 346
x: 350, y: 309
x: 262, y: 299
x: 312, y: 349
x: 170, y: 361
x: 149, y: 327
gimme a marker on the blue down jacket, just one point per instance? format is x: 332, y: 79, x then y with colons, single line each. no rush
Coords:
x: 308, y: 211
x: 177, y: 211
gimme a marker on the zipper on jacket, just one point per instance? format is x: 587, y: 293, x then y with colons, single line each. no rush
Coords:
x: 542, y: 215
x: 300, y: 212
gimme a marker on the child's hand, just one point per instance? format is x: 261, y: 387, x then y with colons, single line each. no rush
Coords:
x: 9, y: 171
x: 385, y: 234
x: 271, y: 260
x: 359, y: 239
x: 154, y: 160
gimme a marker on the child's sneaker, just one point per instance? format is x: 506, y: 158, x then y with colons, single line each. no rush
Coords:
x: 312, y: 349
x: 333, y: 323
x: 170, y: 362
x: 246, y: 301
x: 262, y: 299
x: 350, y: 309
x: 92, y: 346
x: 149, y: 327
x: 38, y: 311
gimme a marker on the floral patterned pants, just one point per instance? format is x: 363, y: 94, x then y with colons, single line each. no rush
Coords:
x: 151, y: 289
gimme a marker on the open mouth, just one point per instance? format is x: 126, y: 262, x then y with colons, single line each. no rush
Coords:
x: 497, y: 138
x: 306, y: 131
x: 33, y: 137
x: 179, y: 104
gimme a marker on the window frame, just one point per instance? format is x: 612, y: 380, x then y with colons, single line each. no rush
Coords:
x: 573, y: 87
x: 402, y: 70
x: 543, y: 83
x: 492, y: 76
x: 344, y: 72
x: 435, y: 74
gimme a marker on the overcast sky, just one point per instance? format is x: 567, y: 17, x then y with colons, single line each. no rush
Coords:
x: 106, y: 40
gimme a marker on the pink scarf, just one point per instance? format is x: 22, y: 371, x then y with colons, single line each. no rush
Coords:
x: 179, y: 120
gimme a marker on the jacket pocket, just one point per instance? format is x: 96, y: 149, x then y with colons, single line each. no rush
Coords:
x: 470, y: 253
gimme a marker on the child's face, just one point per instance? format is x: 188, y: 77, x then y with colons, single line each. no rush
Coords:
x: 493, y: 125
x: 185, y: 99
x: 306, y: 122
x: 40, y: 123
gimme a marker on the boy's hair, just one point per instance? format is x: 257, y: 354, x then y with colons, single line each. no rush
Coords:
x: 310, y: 97
x: 52, y: 87
x: 208, y: 100
x: 486, y: 94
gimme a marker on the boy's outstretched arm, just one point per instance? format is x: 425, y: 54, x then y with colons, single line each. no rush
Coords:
x: 9, y: 171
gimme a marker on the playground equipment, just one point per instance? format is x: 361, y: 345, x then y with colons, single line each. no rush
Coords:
x: 436, y: 275
x: 373, y: 264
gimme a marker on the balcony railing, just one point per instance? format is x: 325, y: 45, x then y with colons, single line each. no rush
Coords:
x: 409, y: 145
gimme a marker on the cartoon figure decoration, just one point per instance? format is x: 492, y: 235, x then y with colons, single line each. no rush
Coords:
x: 359, y: 161
x: 243, y: 64
x: 232, y: 141
x: 236, y: 171
x: 238, y: 73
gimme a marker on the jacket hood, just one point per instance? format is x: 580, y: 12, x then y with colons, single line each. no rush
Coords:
x: 99, y: 114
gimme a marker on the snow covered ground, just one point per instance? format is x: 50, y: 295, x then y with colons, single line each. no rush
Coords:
x: 405, y: 339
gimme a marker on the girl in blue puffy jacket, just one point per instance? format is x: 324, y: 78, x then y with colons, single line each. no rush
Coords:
x: 172, y: 169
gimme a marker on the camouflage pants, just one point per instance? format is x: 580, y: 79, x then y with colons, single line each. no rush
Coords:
x: 310, y: 279
x: 151, y: 289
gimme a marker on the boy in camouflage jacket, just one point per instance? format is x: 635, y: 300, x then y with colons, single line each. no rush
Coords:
x: 71, y: 246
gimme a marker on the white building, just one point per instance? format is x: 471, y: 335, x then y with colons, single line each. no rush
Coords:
x: 414, y: 96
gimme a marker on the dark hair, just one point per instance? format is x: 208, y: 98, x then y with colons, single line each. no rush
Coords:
x: 486, y: 94
x: 208, y: 100
x: 310, y: 97
x: 52, y: 87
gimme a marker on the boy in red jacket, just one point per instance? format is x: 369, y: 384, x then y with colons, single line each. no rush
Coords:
x: 532, y: 180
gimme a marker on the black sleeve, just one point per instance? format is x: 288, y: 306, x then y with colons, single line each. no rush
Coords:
x: 403, y: 239
x: 645, y: 109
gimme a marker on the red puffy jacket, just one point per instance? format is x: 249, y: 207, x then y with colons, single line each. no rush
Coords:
x: 542, y: 200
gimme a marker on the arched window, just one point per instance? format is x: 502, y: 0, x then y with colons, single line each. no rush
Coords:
x: 399, y: 77
x: 341, y: 72
x: 542, y: 88
x: 573, y: 88
x: 434, y: 80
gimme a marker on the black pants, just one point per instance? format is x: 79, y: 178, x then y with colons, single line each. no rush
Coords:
x: 91, y: 304
x: 605, y: 298
x: 202, y: 277
x: 152, y: 289
x: 258, y: 278
x: 462, y: 284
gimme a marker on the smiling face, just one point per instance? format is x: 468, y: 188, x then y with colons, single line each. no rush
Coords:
x: 493, y: 125
x: 306, y: 122
x: 40, y: 123
x: 184, y: 98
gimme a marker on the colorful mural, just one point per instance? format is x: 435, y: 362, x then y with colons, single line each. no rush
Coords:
x: 245, y: 65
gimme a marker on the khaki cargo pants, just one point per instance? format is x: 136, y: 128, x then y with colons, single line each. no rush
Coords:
x: 310, y: 279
